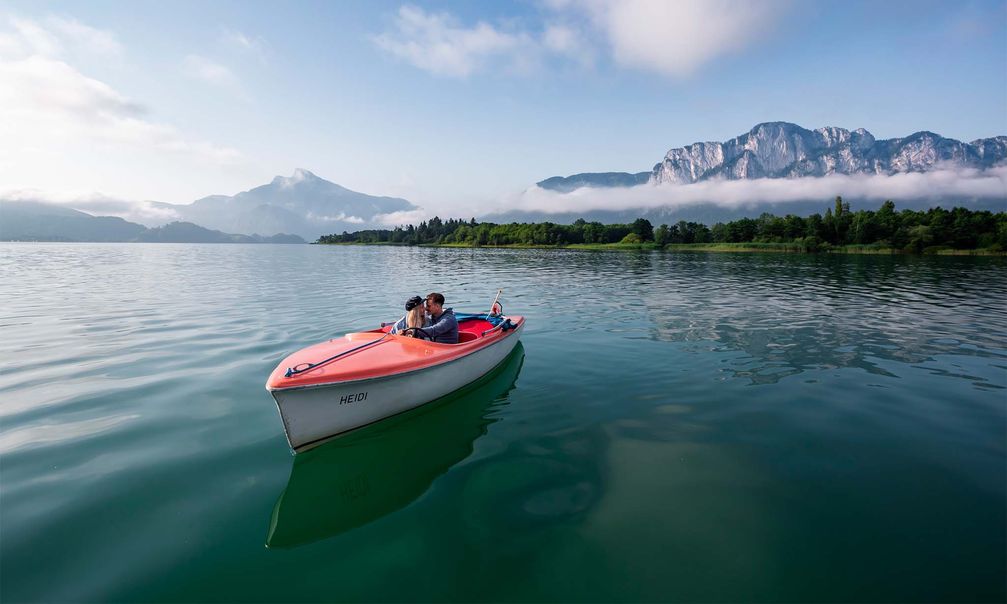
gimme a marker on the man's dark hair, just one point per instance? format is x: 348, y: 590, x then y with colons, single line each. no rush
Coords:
x: 436, y: 298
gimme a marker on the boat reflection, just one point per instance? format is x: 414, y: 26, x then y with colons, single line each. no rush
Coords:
x: 370, y: 473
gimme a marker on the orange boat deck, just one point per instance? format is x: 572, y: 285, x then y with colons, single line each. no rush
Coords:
x: 393, y: 355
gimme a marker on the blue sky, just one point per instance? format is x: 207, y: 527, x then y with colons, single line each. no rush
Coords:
x: 455, y: 105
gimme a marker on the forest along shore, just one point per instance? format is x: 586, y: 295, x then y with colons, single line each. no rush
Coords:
x: 958, y: 231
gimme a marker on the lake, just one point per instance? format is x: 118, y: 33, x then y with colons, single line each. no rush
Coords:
x: 674, y: 427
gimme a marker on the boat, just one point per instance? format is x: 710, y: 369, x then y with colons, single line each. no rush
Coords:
x: 333, y: 387
x: 357, y: 479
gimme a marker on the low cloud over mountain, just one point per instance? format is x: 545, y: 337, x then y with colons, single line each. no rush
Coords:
x: 781, y: 163
x: 35, y: 221
x: 951, y: 184
x: 302, y: 204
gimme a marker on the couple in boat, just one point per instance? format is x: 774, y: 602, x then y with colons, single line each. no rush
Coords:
x: 429, y: 320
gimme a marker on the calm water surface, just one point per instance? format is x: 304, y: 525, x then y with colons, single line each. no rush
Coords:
x: 700, y: 427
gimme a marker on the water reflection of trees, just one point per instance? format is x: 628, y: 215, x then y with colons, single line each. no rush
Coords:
x: 794, y: 313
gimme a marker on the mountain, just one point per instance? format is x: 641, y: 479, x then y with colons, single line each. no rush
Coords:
x: 186, y: 232
x: 35, y: 221
x: 565, y: 184
x: 301, y: 203
x: 785, y: 150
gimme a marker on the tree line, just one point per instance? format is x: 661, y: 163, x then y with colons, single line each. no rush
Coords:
x: 909, y: 230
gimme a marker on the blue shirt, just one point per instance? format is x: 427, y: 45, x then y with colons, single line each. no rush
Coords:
x: 443, y: 328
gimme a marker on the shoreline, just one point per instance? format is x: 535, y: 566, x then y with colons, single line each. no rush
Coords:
x: 746, y: 248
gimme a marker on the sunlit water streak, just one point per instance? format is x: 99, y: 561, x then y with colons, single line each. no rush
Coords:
x: 683, y: 427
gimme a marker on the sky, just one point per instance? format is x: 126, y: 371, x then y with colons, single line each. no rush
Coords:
x: 458, y: 106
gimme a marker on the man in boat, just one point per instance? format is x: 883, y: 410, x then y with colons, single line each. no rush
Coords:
x: 443, y: 326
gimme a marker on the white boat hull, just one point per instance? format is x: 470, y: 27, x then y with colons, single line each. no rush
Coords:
x: 313, y: 414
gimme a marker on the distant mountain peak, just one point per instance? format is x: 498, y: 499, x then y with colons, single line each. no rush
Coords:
x: 300, y: 175
x: 302, y: 203
x: 763, y: 126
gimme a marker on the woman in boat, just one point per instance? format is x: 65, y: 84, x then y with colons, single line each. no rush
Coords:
x: 414, y: 318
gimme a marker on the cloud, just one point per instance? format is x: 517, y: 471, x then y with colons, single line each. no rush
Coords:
x: 239, y: 40
x: 147, y: 213
x: 672, y: 38
x: 677, y: 38
x: 245, y: 44
x: 936, y: 185
x: 47, y: 103
x: 30, y: 38
x: 54, y: 36
x: 85, y: 37
x: 439, y: 44
x: 201, y: 68
x: 340, y: 217
x: 570, y: 41
x: 401, y: 218
x: 39, y: 85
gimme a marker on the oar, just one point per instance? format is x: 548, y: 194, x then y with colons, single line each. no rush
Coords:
x: 504, y: 323
x: 495, y: 300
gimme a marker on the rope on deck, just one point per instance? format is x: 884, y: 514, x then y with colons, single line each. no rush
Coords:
x: 292, y: 371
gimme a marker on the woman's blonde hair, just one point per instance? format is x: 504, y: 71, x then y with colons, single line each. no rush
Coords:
x: 414, y: 317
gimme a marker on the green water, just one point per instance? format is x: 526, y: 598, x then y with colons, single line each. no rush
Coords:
x: 675, y: 427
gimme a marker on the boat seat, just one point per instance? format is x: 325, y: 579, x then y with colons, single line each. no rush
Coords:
x: 466, y: 336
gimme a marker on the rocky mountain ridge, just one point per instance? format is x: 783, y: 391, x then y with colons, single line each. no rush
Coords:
x: 786, y: 150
